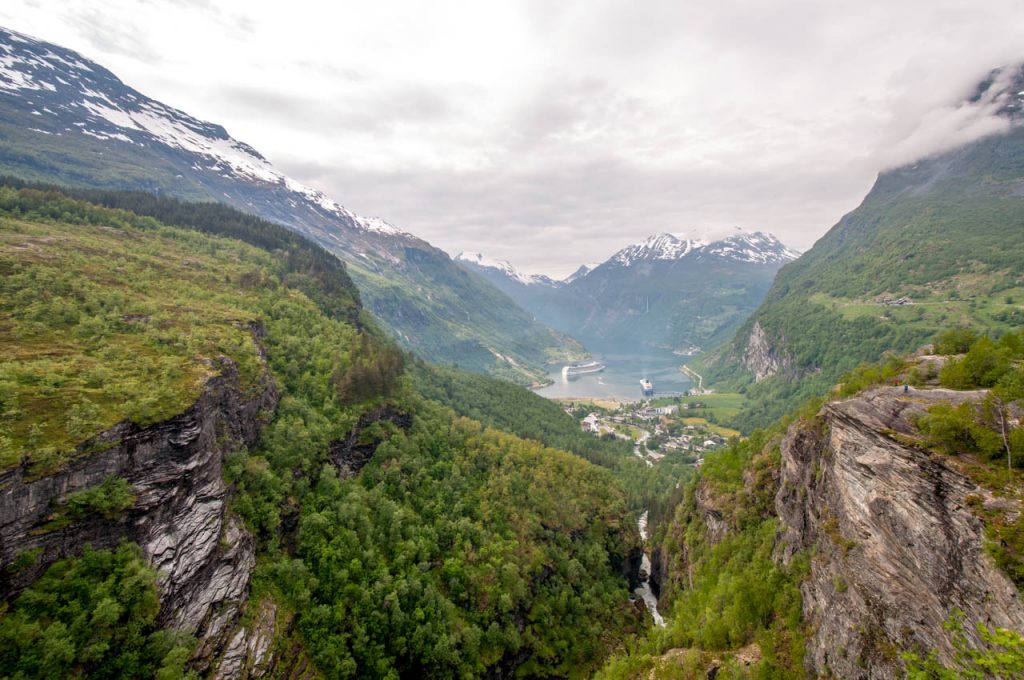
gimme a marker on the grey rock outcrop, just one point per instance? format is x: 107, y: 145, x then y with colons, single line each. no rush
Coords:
x: 249, y: 654
x: 203, y: 556
x: 762, y: 357
x: 896, y: 547
x: 716, y: 528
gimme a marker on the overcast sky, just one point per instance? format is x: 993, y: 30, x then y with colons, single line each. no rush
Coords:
x: 554, y: 133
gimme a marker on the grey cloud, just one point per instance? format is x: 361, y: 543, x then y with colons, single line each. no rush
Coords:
x: 555, y: 218
x: 372, y: 113
x: 113, y: 35
x: 946, y: 126
x: 588, y: 123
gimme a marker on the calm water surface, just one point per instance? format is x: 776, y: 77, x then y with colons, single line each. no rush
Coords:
x: 621, y: 378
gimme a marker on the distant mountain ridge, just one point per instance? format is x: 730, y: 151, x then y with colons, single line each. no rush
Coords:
x: 479, y: 261
x: 68, y: 120
x: 753, y: 247
x: 665, y: 291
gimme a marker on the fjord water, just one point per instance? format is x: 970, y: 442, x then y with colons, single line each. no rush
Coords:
x: 621, y: 378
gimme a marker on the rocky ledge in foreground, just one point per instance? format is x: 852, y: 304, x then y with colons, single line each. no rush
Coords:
x: 896, y: 548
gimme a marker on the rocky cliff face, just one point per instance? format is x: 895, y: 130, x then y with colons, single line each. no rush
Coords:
x: 203, y: 555
x: 762, y: 357
x: 896, y: 547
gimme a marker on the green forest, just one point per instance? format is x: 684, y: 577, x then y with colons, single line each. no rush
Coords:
x: 458, y: 551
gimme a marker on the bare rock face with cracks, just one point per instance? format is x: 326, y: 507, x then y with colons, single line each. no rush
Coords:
x: 896, y: 546
x: 204, y: 557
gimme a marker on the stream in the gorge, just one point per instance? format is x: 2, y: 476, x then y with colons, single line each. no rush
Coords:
x: 644, y: 589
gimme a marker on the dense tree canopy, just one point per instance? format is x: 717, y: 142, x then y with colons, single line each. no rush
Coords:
x: 458, y: 551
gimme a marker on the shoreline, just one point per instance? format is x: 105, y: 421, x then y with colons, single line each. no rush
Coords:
x: 691, y: 374
x: 603, y: 402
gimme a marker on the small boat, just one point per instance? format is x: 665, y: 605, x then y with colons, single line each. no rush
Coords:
x: 647, y: 387
x: 582, y: 368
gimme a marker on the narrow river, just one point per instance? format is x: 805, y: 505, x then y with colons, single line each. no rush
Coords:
x: 644, y: 590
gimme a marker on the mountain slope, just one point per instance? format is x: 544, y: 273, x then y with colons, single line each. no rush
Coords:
x: 664, y: 291
x: 67, y: 120
x: 264, y: 491
x: 933, y: 244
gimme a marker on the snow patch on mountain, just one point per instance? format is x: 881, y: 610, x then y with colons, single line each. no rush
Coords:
x: 756, y: 247
x: 739, y: 246
x: 376, y: 224
x: 657, y: 247
x: 112, y: 110
x: 504, y: 267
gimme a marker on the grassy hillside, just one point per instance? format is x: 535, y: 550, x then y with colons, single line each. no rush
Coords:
x: 458, y: 551
x: 946, y: 233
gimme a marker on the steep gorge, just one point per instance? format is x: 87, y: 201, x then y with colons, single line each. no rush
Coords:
x: 836, y: 545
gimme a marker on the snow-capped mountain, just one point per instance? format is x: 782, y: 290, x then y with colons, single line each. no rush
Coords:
x: 67, y: 120
x: 667, y: 290
x: 503, y: 267
x: 755, y: 247
x: 657, y: 247
x: 71, y: 97
x: 741, y: 247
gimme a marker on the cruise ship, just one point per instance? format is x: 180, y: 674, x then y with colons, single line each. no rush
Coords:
x: 582, y: 368
x: 647, y: 387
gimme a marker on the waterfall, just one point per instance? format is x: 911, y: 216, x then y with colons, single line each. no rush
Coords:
x: 643, y: 591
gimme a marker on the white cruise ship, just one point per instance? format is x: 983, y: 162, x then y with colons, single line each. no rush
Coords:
x: 647, y: 387
x: 582, y: 368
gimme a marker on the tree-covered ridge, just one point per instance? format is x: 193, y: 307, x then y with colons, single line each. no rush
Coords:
x: 945, y: 233
x: 512, y: 409
x: 526, y: 414
x: 457, y: 551
x: 307, y: 266
x: 449, y: 315
x: 109, y: 316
